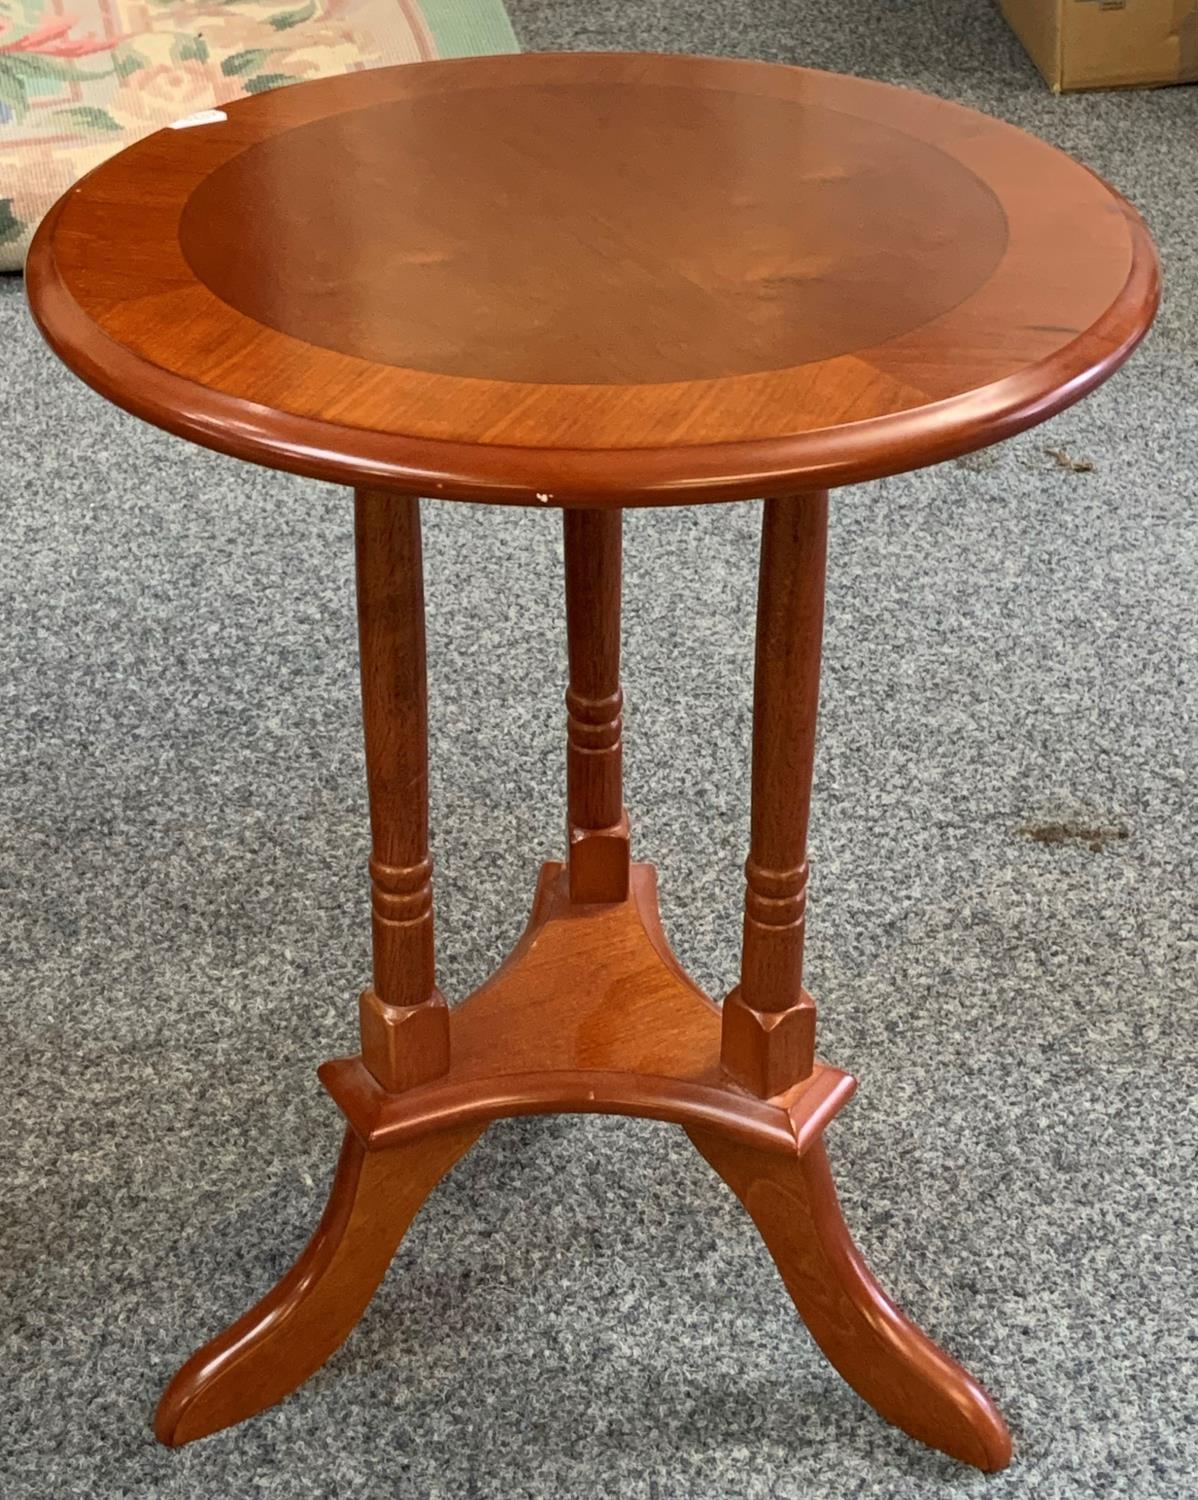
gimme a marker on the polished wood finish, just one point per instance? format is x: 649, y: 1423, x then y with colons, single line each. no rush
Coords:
x: 879, y: 1351
x: 769, y: 1021
x: 594, y: 280
x: 590, y: 1013
x: 597, y: 831
x: 670, y: 223
x: 404, y: 1019
x: 287, y: 1336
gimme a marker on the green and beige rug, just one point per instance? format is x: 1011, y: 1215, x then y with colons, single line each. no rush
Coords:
x: 80, y: 79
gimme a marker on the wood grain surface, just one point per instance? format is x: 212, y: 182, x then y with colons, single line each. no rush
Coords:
x: 769, y: 1020
x: 591, y: 1012
x: 290, y: 1333
x: 592, y: 279
x: 403, y: 1016
x: 887, y: 1360
x: 597, y: 825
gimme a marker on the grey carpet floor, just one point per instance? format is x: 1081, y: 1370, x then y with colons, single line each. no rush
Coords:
x: 582, y: 1310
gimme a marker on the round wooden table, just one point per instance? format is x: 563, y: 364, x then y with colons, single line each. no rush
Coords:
x: 589, y: 282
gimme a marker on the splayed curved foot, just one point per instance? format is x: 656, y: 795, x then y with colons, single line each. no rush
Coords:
x: 287, y: 1336
x: 883, y: 1356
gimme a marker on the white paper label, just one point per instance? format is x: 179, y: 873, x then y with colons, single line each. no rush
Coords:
x: 204, y: 117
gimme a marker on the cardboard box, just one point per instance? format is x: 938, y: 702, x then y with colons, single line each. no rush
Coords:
x: 1106, y: 44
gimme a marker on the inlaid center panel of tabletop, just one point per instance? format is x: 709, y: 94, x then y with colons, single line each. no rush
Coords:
x: 595, y: 233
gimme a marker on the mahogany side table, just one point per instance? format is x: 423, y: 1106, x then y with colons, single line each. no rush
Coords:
x: 588, y: 282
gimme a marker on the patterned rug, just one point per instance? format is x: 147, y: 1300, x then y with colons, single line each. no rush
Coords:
x: 80, y: 79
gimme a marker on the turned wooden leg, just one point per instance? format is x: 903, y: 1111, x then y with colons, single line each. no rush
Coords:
x: 883, y: 1356
x: 769, y: 1022
x: 289, y: 1334
x: 404, y: 1018
x: 597, y: 822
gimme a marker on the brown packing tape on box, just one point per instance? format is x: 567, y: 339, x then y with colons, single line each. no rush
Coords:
x: 1088, y: 44
x: 1187, y: 40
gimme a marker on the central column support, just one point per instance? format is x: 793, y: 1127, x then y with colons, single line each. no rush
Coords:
x: 769, y: 1020
x: 597, y: 822
x: 404, y: 1018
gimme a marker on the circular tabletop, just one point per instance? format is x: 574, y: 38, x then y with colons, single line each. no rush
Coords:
x: 604, y: 279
